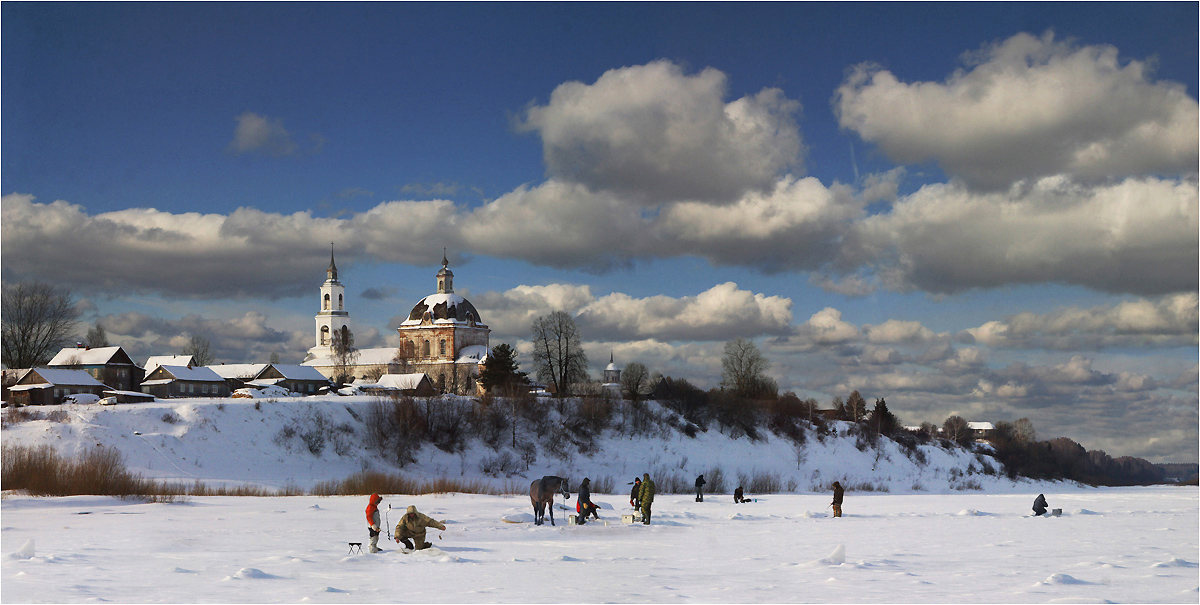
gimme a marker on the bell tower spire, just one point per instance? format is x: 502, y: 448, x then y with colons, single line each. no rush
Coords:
x: 331, y: 272
x: 445, y: 277
x: 332, y: 315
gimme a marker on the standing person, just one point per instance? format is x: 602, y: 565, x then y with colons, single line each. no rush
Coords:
x: 583, y: 504
x: 837, y: 499
x: 635, y: 496
x: 412, y: 525
x: 373, y: 521
x: 646, y: 497
x: 1039, y: 505
x: 737, y: 495
x: 700, y: 488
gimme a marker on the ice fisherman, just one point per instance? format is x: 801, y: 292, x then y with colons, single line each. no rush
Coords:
x: 373, y: 521
x: 837, y: 499
x: 583, y: 504
x: 412, y: 525
x: 635, y: 495
x: 1039, y: 505
x: 737, y: 496
x: 646, y: 497
x: 700, y: 488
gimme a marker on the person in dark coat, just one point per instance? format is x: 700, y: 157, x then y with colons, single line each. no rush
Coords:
x: 635, y: 496
x: 1039, y: 506
x: 737, y: 495
x: 583, y: 504
x: 837, y: 499
x: 700, y: 488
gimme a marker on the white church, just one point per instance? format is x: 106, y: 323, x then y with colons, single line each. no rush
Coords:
x: 443, y: 338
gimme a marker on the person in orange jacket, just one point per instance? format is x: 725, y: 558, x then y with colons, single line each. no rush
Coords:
x: 373, y: 521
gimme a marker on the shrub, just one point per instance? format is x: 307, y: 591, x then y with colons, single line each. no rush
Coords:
x: 171, y: 418
x: 501, y: 464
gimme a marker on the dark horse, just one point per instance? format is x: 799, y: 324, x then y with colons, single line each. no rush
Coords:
x: 541, y: 493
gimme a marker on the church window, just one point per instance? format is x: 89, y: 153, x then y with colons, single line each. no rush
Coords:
x: 340, y: 307
x: 409, y: 349
x: 442, y: 348
x: 442, y: 382
x: 425, y: 349
x: 324, y: 335
x: 326, y: 305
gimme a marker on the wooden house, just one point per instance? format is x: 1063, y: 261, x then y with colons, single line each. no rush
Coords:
x: 238, y: 375
x: 49, y: 386
x: 413, y: 385
x: 166, y: 382
x: 305, y: 380
x: 110, y: 365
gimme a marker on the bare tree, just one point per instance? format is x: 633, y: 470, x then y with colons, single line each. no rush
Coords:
x: 956, y: 429
x: 558, y: 356
x: 274, y: 358
x: 1023, y: 431
x: 97, y: 337
x: 200, y: 349
x: 635, y: 381
x: 36, y: 320
x: 744, y: 370
x: 401, y: 358
x: 345, y: 356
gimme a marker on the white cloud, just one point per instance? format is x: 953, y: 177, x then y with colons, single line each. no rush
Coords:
x: 255, y: 132
x: 655, y: 134
x: 1028, y: 107
x: 1137, y: 236
x: 894, y: 331
x: 1169, y: 321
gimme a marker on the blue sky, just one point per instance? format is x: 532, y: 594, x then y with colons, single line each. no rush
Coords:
x: 987, y: 209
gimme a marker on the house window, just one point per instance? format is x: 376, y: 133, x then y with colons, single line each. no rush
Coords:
x: 191, y: 388
x: 442, y: 348
x: 57, y: 394
x: 326, y: 304
x: 204, y: 389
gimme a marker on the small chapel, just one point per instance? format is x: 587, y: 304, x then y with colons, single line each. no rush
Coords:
x: 443, y: 337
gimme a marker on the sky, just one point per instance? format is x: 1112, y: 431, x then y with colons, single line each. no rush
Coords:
x: 980, y: 209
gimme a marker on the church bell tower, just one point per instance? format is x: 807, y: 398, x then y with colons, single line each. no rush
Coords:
x: 332, y: 315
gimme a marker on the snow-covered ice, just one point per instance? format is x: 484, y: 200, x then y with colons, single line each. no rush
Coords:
x: 1136, y: 545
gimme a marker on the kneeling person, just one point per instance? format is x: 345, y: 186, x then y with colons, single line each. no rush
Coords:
x: 412, y: 525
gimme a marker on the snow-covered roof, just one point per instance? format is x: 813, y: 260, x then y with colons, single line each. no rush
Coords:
x: 265, y: 382
x: 151, y: 383
x: 30, y: 387
x: 444, y: 309
x: 87, y: 357
x: 472, y: 354
x: 66, y: 377
x: 980, y: 426
x: 292, y: 372
x: 366, y: 357
x: 241, y: 371
x: 168, y: 360
x: 201, y: 374
x: 128, y: 393
x: 396, y: 381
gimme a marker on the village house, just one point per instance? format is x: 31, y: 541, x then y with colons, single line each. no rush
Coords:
x: 305, y: 380
x: 238, y: 375
x: 413, y: 385
x: 49, y: 386
x: 166, y: 382
x: 168, y: 360
x: 110, y: 365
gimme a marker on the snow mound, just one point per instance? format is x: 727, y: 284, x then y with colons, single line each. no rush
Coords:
x: 969, y: 512
x: 315, y: 507
x: 561, y: 506
x: 837, y: 557
x: 1084, y: 511
x: 736, y: 516
x: 566, y: 558
x: 1078, y: 600
x: 1062, y: 579
x: 1175, y: 562
x: 332, y: 589
x: 25, y: 552
x: 808, y: 514
x: 179, y: 570
x: 250, y: 573
x: 517, y: 518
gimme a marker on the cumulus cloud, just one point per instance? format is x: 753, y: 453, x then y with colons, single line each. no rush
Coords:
x: 894, y: 331
x: 655, y: 134
x: 257, y: 133
x: 1138, y: 236
x: 1168, y: 321
x: 1028, y: 107
x: 243, y: 339
x: 717, y: 314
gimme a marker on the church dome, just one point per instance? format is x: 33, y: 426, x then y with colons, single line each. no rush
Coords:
x: 443, y: 307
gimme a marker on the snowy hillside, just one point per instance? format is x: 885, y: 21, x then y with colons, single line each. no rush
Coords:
x: 298, y: 442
